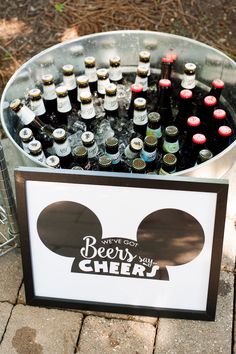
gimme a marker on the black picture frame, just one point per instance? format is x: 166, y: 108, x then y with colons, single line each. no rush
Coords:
x: 216, y: 187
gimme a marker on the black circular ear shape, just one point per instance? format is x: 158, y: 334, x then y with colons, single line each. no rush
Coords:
x: 62, y: 225
x: 170, y: 237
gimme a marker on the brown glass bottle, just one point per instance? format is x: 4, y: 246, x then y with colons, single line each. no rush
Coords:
x: 64, y: 108
x: 136, y: 92
x: 70, y: 82
x: 26, y: 136
x: 104, y: 163
x: 166, y: 68
x: 163, y: 105
x: 103, y: 81
x: 223, y: 139
x: 138, y: 166
x: 37, y: 105
x: 87, y: 112
x: 140, y: 118
x: 142, y: 78
x: 49, y: 93
x: 188, y: 82
x: 91, y: 72
x: 62, y: 147
x: 88, y: 140
x: 82, y: 86
x: 185, y: 110
x: 53, y: 161
x: 111, y: 101
x: 217, y: 86
x: 112, y: 151
x: 36, y: 151
x: 149, y: 152
x: 80, y: 158
x: 203, y: 156
x: 168, y: 164
x: 115, y: 72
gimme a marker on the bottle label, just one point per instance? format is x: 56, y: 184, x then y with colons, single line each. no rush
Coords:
x: 102, y: 85
x: 69, y: 82
x: 171, y: 147
x: 26, y: 115
x: 62, y: 149
x: 145, y: 65
x: 92, y: 151
x: 80, y: 90
x: 148, y: 156
x: 115, y: 158
x: 92, y: 74
x: 41, y: 157
x: 140, y: 117
x: 38, y: 107
x: 110, y: 103
x: 188, y: 82
x: 130, y: 154
x: 115, y: 73
x: 63, y: 104
x: 49, y: 92
x: 143, y: 81
x: 25, y: 146
x: 154, y: 132
x: 87, y: 111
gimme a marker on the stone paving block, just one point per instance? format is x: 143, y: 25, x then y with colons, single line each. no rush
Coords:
x: 21, y: 295
x: 106, y: 336
x: 34, y: 330
x: 193, y: 337
x: 10, y: 275
x: 5, y: 311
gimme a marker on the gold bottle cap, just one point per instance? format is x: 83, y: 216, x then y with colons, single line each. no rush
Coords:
x: 112, y: 141
x: 136, y: 144
x: 114, y: 61
x: 82, y: 81
x: 111, y: 89
x: 68, y: 69
x: 89, y: 62
x: 138, y: 164
x: 53, y: 161
x: 171, y: 130
x: 61, y: 91
x: 35, y: 93
x: 144, y: 56
x: 80, y: 151
x: 25, y: 134
x: 86, y: 97
x: 154, y: 117
x: 47, y: 79
x: 59, y: 134
x: 142, y: 71
x: 169, y: 159
x: 102, y: 74
x: 35, y: 146
x: 150, y: 140
x: 87, y: 137
x: 104, y: 161
x: 16, y: 104
x: 140, y: 103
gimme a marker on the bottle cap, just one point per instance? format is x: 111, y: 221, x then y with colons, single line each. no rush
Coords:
x: 111, y: 142
x: 150, y: 140
x: 47, y: 79
x: 205, y: 155
x: 89, y: 62
x: 190, y: 68
x: 104, y: 161
x: 59, y: 133
x: 61, y: 91
x: 77, y: 168
x: 68, y: 69
x: 136, y: 144
x: 140, y: 103
x: 225, y: 131
x: 144, y: 56
x: 35, y: 93
x: 186, y: 94
x: 210, y: 101
x: 16, y: 104
x: 199, y: 139
x: 142, y: 71
x: 169, y: 159
x: 172, y: 56
x: 111, y: 89
x: 193, y: 121
x: 167, y: 60
x: 35, y: 146
x: 218, y: 84
x: 87, y: 137
x: 138, y: 164
x: 85, y: 97
x: 219, y: 114
x: 82, y: 81
x: 114, y: 61
x: 102, y: 74
x: 154, y: 117
x: 171, y: 130
x: 80, y: 151
x: 136, y: 88
x: 53, y: 161
x: 25, y: 133
x: 164, y: 83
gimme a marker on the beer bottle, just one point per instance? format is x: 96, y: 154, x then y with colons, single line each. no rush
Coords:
x: 217, y: 86
x: 185, y: 109
x: 115, y: 73
x: 163, y: 106
x: 168, y: 164
x: 171, y: 140
x: 188, y: 82
x: 70, y: 82
x: 191, y: 156
x: 49, y: 93
x: 136, y: 92
x: 87, y: 112
x: 62, y: 147
x: 140, y: 117
x: 64, y: 108
x: 103, y: 81
x: 82, y: 86
x: 36, y: 151
x: 37, y: 105
x: 88, y: 140
x: 223, y: 139
x: 91, y: 72
x: 112, y: 151
x: 104, y: 163
x: 206, y: 113
x: 149, y: 152
x: 53, y: 161
x: 193, y: 126
x: 79, y: 168
x: 166, y: 68
x: 203, y: 156
x: 26, y: 136
x: 142, y: 78
x: 138, y: 165
x: 133, y: 150
x: 110, y: 100
x: 144, y: 60
x: 80, y: 157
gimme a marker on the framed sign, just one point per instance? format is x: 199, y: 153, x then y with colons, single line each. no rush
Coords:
x: 121, y: 243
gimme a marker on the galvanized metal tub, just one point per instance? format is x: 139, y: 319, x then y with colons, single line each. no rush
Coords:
x: 211, y: 64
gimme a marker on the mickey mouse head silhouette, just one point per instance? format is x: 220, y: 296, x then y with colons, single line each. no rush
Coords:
x: 169, y: 237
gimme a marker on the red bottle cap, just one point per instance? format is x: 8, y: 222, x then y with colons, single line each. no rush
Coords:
x: 219, y: 114
x: 199, y: 139
x: 136, y: 88
x: 193, y: 121
x: 186, y: 94
x: 225, y: 131
x: 218, y: 84
x: 210, y: 101
x: 172, y: 56
x: 164, y: 83
x: 167, y: 60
